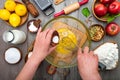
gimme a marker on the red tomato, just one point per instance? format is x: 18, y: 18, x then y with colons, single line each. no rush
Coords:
x: 114, y: 7
x: 100, y: 10
x: 112, y: 29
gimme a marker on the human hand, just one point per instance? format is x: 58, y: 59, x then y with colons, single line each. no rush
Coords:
x: 42, y: 46
x: 88, y: 65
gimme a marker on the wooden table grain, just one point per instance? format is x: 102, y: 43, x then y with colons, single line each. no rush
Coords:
x: 9, y: 72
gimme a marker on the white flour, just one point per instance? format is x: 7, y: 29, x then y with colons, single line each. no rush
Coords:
x: 32, y: 27
x: 108, y: 54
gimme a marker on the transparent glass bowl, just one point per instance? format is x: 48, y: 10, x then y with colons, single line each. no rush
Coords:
x: 73, y: 24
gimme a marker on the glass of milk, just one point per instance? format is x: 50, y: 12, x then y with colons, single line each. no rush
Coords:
x: 14, y: 36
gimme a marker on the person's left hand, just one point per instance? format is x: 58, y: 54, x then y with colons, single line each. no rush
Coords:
x: 42, y: 46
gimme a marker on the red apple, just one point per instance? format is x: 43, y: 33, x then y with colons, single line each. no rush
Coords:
x: 100, y: 10
x: 114, y: 7
x: 106, y: 1
x: 112, y: 29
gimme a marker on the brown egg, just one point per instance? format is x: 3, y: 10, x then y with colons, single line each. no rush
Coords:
x: 55, y: 38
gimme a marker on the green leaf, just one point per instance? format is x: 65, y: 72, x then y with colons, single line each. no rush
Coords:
x: 112, y: 17
x: 117, y: 15
x: 85, y: 12
x: 107, y: 15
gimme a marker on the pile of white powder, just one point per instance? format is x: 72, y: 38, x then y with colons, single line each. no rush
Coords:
x: 108, y: 55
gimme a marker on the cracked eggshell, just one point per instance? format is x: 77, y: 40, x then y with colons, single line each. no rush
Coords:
x: 55, y: 38
x: 12, y: 55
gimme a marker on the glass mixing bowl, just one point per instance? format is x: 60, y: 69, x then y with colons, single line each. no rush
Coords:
x: 77, y: 36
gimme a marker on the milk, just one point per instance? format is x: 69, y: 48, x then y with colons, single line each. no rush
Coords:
x: 14, y: 36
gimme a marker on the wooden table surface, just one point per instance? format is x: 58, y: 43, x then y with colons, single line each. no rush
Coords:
x: 9, y: 72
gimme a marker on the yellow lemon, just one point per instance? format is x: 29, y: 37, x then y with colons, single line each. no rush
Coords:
x: 10, y: 5
x: 14, y: 20
x: 4, y: 14
x: 20, y: 9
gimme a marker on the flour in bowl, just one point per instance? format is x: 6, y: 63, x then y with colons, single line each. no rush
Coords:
x: 108, y: 54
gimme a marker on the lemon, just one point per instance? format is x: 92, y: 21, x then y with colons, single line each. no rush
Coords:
x: 20, y: 9
x: 14, y: 20
x: 10, y: 5
x: 4, y: 14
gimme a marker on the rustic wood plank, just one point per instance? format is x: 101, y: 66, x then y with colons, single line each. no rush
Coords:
x: 9, y: 72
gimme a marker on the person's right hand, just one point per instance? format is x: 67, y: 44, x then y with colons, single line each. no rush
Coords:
x: 41, y: 49
x: 88, y: 65
x: 42, y: 46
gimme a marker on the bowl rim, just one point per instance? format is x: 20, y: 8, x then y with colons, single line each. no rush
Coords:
x: 89, y: 39
x: 16, y: 49
x: 102, y: 29
x: 101, y: 19
x: 23, y: 18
